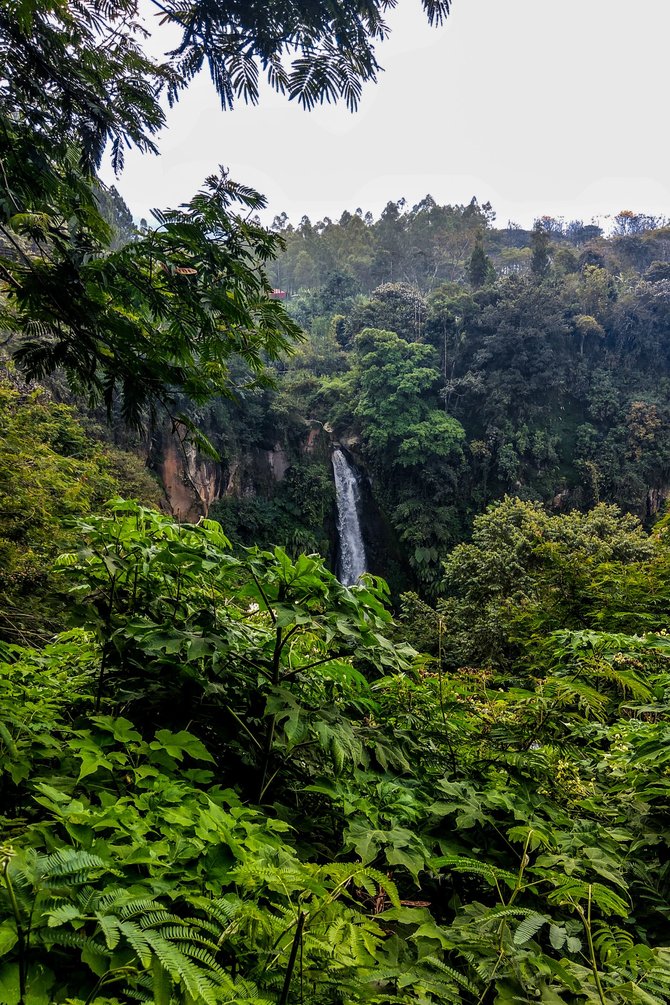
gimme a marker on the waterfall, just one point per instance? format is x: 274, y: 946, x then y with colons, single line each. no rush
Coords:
x: 352, y: 550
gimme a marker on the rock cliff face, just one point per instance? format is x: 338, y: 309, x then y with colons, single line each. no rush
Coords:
x: 656, y: 500
x: 193, y: 482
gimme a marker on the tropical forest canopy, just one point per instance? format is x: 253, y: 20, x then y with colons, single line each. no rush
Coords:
x: 224, y: 776
x: 461, y: 362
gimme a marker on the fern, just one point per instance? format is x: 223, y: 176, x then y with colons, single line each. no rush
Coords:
x: 61, y: 915
x: 138, y: 941
x: 182, y: 969
x: 459, y: 863
x: 611, y: 942
x: 134, y: 908
x: 58, y: 937
x: 455, y: 976
x: 110, y: 928
x: 529, y: 927
x: 494, y: 914
x: 68, y: 863
x: 152, y: 918
x: 571, y: 891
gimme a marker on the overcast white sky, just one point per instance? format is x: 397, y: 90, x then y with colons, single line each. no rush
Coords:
x: 540, y: 106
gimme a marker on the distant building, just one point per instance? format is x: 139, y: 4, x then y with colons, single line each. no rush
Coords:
x: 278, y: 295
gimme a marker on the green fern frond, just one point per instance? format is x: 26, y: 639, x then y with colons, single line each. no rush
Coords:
x: 89, y: 899
x: 566, y: 691
x: 175, y: 934
x: 626, y: 681
x: 459, y: 863
x: 457, y: 977
x: 110, y: 928
x: 138, y: 941
x: 529, y: 927
x: 154, y: 918
x: 497, y: 913
x: 137, y: 907
x: 57, y: 937
x: 181, y: 969
x: 139, y: 996
x: 61, y: 915
x: 611, y: 942
x: 570, y: 890
x: 69, y: 863
x: 207, y: 960
x: 204, y: 925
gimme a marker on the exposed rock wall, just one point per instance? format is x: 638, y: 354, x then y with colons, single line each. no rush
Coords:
x: 656, y: 500
x: 193, y: 482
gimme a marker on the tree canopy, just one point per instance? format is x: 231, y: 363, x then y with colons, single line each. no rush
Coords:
x: 78, y: 79
x: 80, y: 71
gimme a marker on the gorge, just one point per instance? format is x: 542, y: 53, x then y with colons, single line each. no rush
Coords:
x: 352, y: 561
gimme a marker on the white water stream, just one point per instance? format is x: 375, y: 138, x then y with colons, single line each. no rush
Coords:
x: 352, y: 550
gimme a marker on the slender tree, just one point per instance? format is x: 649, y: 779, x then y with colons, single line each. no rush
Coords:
x: 540, y: 261
x: 479, y: 266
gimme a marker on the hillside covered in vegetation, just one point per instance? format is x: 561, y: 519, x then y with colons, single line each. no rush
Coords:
x: 227, y: 778
x: 545, y: 377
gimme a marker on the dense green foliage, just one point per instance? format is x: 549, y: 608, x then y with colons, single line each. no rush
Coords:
x: 545, y: 377
x: 298, y: 512
x: 237, y: 782
x: 423, y: 246
x: 229, y: 779
x: 167, y: 311
x: 427, y: 244
x: 51, y: 471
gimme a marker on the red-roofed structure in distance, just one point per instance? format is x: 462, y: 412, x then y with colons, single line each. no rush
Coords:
x: 278, y: 295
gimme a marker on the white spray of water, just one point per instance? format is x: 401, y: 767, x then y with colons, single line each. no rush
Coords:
x: 352, y: 550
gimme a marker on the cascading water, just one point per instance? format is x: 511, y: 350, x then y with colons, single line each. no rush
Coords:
x: 352, y: 550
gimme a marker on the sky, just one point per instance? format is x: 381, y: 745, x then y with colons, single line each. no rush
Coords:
x: 539, y: 106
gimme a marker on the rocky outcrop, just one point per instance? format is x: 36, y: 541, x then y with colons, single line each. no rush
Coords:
x: 318, y: 439
x: 656, y: 500
x: 278, y: 462
x: 561, y: 499
x: 193, y: 482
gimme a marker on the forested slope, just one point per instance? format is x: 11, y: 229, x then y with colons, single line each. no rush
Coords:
x: 546, y: 379
x: 54, y: 468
